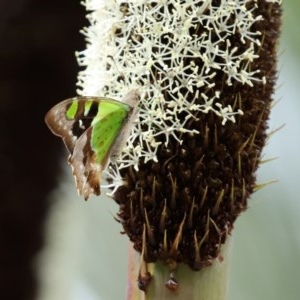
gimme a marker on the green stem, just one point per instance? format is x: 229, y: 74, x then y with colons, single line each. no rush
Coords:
x: 211, y: 283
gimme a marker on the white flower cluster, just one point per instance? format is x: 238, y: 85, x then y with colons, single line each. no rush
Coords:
x: 152, y: 46
x: 275, y: 1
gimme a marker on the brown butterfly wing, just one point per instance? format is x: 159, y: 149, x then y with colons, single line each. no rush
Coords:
x: 70, y: 130
x: 86, y: 170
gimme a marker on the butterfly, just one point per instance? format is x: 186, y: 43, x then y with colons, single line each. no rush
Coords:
x: 94, y: 130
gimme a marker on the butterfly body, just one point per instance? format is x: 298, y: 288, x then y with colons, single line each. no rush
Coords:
x: 94, y: 130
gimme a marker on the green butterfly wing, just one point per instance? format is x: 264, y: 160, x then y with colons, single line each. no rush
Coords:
x: 70, y: 118
x: 104, y: 133
x: 89, y: 127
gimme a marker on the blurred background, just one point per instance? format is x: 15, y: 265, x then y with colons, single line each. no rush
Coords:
x: 55, y: 246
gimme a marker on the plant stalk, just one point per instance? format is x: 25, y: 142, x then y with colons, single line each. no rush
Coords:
x: 210, y: 283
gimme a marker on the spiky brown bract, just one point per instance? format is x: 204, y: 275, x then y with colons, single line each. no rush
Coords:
x: 183, y: 207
